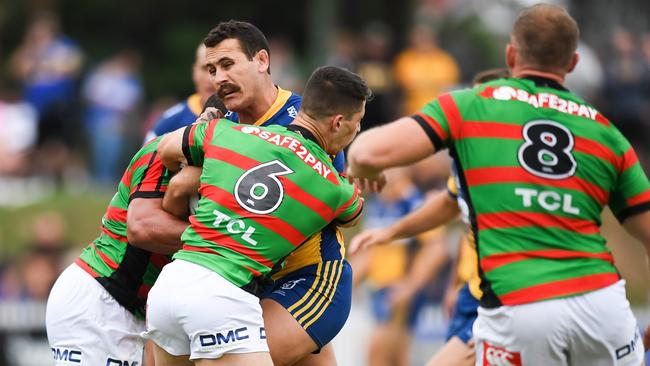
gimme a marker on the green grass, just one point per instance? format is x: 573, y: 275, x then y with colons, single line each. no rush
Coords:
x: 81, y: 211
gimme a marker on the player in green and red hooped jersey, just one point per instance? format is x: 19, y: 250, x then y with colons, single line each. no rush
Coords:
x: 299, y: 321
x: 137, y: 238
x: 537, y: 165
x: 264, y: 191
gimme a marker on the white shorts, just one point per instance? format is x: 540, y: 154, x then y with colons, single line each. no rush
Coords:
x: 593, y: 329
x: 86, y: 326
x: 194, y: 311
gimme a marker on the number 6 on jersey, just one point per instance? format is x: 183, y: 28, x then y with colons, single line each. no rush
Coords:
x: 259, y: 190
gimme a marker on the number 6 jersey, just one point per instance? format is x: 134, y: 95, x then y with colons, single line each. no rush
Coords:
x: 537, y: 165
x: 264, y: 190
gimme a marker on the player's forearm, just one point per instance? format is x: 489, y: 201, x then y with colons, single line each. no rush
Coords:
x: 176, y: 204
x: 427, y: 263
x: 436, y: 211
x: 170, y: 149
x: 159, y: 232
x: 399, y: 143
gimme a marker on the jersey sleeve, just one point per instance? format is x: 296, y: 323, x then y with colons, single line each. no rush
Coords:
x: 352, y: 205
x: 631, y: 194
x: 438, y: 118
x: 195, y: 137
x: 150, y: 181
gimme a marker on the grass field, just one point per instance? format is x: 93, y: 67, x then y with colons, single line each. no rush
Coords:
x: 82, y: 212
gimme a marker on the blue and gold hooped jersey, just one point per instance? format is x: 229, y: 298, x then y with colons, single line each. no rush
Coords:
x: 180, y: 115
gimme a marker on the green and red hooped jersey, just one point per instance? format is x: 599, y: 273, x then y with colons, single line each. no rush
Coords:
x: 537, y: 165
x: 128, y: 272
x: 264, y: 191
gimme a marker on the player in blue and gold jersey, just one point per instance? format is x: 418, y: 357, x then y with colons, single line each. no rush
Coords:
x: 311, y: 296
x: 187, y: 111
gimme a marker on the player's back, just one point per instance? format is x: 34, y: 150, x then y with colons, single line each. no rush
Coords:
x: 538, y: 165
x: 263, y: 192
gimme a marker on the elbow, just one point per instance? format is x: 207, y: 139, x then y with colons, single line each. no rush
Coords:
x: 136, y: 232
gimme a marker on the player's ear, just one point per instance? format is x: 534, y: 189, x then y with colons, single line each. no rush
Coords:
x: 263, y: 60
x: 574, y: 61
x: 511, y: 55
x: 335, y: 122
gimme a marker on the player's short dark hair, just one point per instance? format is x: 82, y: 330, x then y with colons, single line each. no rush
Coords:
x: 489, y: 75
x: 334, y: 90
x: 546, y: 36
x: 251, y: 39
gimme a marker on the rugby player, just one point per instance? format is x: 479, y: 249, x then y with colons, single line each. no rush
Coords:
x: 440, y: 209
x: 311, y: 299
x: 264, y: 191
x: 536, y: 165
x: 95, y: 311
x: 187, y: 111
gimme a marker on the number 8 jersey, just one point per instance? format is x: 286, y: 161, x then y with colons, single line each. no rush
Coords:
x: 264, y: 190
x: 537, y: 165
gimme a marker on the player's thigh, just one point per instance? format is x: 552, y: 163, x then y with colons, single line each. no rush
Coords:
x: 162, y: 358
x: 318, y: 298
x: 325, y: 357
x: 454, y: 353
x: 288, y: 341
x: 86, y: 325
x: 604, y: 330
x: 235, y: 359
x: 193, y: 310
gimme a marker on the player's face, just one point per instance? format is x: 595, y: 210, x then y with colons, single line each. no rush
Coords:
x: 233, y: 75
x: 350, y: 127
x: 200, y: 75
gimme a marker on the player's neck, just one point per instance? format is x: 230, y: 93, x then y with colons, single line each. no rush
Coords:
x: 263, y: 102
x: 523, y: 72
x: 308, y: 123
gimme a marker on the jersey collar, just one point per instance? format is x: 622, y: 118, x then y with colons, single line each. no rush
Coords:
x: 545, y: 82
x: 280, y: 100
x: 303, y: 132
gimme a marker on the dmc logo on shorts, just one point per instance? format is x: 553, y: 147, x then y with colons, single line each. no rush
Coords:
x: 69, y: 355
x: 628, y: 348
x: 497, y: 356
x: 114, y: 362
x: 218, y: 338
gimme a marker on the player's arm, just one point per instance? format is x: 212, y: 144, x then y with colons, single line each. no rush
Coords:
x: 349, y: 213
x: 404, y: 141
x: 181, y: 187
x: 399, y: 143
x: 437, y: 209
x: 149, y: 227
x: 426, y: 265
x: 170, y: 149
x: 185, y: 145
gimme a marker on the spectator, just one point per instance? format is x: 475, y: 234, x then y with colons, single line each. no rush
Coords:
x: 48, y: 64
x: 374, y: 67
x: 423, y: 70
x: 112, y: 92
x: 625, y: 93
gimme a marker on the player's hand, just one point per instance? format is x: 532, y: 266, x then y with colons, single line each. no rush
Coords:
x: 373, y: 184
x: 646, y: 337
x: 209, y: 114
x: 187, y: 180
x: 369, y: 238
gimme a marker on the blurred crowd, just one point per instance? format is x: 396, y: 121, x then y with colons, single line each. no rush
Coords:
x: 73, y: 124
